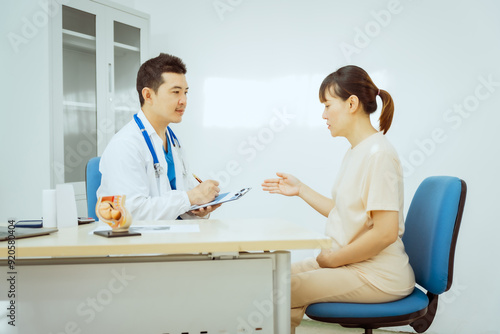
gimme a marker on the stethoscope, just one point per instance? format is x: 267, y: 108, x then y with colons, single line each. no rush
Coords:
x: 173, y: 139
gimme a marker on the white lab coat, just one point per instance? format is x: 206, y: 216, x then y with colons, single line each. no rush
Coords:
x: 127, y: 169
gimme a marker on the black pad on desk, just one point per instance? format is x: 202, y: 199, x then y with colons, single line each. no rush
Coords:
x: 21, y: 232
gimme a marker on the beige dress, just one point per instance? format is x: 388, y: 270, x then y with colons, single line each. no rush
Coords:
x: 370, y: 179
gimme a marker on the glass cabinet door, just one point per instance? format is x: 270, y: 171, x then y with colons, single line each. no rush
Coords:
x: 127, y: 60
x: 97, y: 49
x: 79, y: 92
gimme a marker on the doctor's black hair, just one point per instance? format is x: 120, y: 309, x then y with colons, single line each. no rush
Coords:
x: 353, y: 80
x: 149, y: 74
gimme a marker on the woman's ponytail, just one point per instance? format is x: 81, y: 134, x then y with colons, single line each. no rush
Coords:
x: 387, y: 112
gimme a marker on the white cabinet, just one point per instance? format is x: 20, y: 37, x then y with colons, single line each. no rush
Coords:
x: 97, y: 48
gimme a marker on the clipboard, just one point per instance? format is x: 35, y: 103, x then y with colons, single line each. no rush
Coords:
x: 223, y: 198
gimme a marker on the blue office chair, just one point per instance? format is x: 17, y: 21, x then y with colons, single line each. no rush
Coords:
x: 92, y: 183
x: 430, y: 237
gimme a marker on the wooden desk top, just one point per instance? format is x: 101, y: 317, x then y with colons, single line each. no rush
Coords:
x: 215, y: 235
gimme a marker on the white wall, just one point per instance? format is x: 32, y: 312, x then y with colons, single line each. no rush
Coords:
x: 25, y: 115
x: 260, y: 61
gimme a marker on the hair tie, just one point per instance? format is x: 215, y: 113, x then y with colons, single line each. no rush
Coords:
x: 378, y: 92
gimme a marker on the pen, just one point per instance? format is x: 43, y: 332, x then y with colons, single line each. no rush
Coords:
x: 197, y: 178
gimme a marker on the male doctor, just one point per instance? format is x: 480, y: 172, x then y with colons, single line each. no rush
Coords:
x: 144, y: 159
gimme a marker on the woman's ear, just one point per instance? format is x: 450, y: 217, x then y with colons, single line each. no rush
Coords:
x: 353, y: 103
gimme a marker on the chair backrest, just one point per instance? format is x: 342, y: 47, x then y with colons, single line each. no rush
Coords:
x: 431, y: 230
x: 92, y: 183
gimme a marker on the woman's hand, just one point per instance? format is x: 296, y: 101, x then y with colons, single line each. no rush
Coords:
x: 289, y: 185
x: 286, y: 184
x: 366, y: 245
x: 327, y: 259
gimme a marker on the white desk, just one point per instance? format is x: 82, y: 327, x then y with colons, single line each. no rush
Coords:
x: 231, y: 277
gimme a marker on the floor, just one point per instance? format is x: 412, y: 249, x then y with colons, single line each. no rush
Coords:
x: 315, y: 327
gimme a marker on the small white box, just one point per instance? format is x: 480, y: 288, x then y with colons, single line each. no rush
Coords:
x: 66, y: 206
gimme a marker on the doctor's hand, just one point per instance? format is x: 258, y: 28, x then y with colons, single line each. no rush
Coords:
x: 201, y: 212
x: 204, y: 192
x: 287, y: 185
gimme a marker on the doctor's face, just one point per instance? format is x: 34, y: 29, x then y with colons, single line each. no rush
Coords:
x: 170, y: 101
x: 337, y: 115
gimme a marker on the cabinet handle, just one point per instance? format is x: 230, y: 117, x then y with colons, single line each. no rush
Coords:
x: 110, y: 78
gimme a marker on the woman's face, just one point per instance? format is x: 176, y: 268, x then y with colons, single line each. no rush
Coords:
x: 337, y: 115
